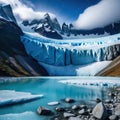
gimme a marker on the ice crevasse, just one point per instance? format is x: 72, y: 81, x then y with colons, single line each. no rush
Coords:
x: 73, y: 51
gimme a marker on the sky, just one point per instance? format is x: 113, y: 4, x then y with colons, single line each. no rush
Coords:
x: 65, y: 10
x: 83, y: 14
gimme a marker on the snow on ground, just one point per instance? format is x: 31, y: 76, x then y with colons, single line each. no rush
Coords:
x: 21, y: 116
x: 94, y: 81
x: 86, y: 70
x: 8, y: 97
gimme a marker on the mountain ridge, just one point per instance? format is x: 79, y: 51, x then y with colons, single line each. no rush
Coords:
x: 12, y: 51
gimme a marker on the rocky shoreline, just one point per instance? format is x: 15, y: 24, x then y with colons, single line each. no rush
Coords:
x: 108, y: 109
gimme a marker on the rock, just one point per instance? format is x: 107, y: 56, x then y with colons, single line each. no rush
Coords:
x: 98, y: 100
x: 111, y: 94
x: 67, y: 115
x: 69, y: 100
x: 53, y: 103
x: 74, y: 118
x: 83, y: 106
x: 89, y: 110
x: 44, y: 111
x: 56, y: 119
x: 113, y: 117
x: 100, y: 111
x: 60, y: 109
x: 108, y: 101
x: 117, y: 112
x: 82, y: 112
x: 75, y: 107
x: 117, y: 107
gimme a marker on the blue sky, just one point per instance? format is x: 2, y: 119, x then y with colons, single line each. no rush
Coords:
x: 83, y: 14
x: 65, y: 10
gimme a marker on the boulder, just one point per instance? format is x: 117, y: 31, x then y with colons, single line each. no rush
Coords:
x: 117, y: 112
x: 75, y: 107
x: 67, y: 115
x: 44, y: 111
x: 81, y: 112
x: 60, y: 109
x: 74, y: 118
x: 83, y: 106
x: 113, y: 117
x: 98, y: 100
x: 100, y: 111
x: 69, y: 100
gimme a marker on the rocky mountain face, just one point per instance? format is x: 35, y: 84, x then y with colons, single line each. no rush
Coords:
x: 46, y: 26
x: 112, y: 70
x: 13, y: 58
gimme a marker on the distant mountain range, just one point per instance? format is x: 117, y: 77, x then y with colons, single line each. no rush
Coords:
x: 13, y: 58
x: 51, y: 28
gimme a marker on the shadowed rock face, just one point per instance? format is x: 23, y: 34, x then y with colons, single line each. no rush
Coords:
x: 10, y: 47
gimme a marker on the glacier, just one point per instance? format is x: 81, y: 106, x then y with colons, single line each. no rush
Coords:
x: 72, y: 52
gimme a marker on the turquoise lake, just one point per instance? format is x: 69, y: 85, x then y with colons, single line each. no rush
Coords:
x: 53, y: 90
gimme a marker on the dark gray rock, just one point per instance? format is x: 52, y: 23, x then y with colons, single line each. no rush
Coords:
x: 100, y: 111
x: 98, y: 100
x: 44, y: 111
x: 60, y: 109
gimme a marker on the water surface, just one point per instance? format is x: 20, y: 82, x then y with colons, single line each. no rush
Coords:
x: 53, y: 90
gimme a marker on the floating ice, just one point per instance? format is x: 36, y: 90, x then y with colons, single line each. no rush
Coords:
x: 96, y: 81
x: 8, y: 97
x: 21, y: 116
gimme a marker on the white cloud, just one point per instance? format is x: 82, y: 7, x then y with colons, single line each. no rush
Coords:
x: 22, y: 11
x: 99, y: 15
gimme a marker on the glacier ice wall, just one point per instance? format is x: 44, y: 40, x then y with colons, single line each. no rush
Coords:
x: 72, y: 52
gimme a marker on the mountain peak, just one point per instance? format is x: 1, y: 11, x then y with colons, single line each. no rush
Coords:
x: 7, y: 13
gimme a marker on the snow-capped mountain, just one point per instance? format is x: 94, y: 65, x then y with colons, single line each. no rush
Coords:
x: 47, y: 26
x: 51, y: 28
